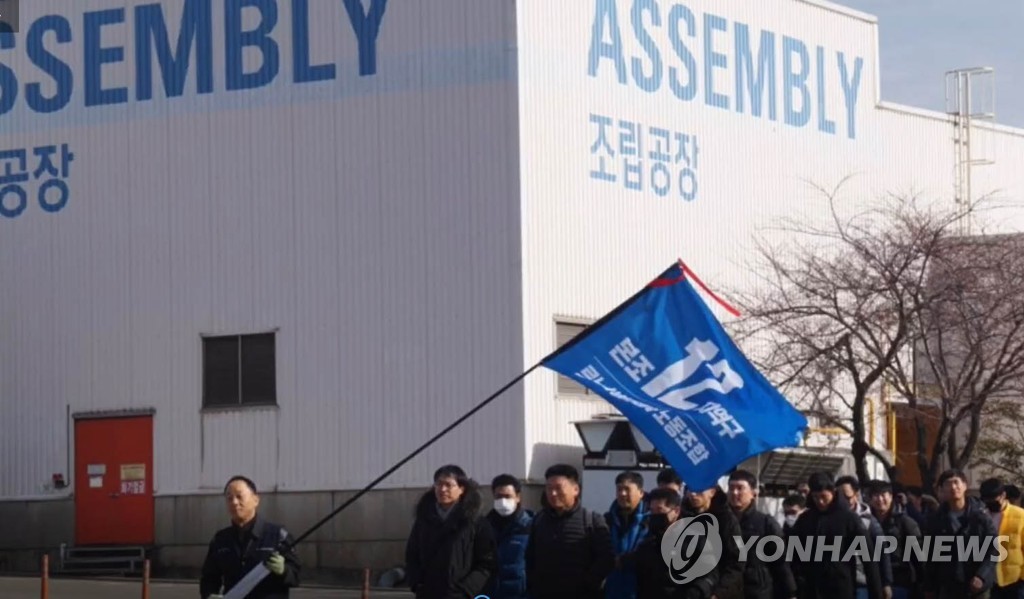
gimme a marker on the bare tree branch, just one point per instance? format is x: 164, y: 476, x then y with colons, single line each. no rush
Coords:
x: 892, y: 295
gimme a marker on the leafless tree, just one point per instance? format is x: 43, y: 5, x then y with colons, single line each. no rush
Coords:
x: 1000, y: 451
x: 969, y: 358
x: 890, y: 295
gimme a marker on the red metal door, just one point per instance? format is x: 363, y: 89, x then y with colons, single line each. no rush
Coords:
x: 113, y: 481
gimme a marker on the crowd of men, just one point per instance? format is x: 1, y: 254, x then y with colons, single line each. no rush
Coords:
x: 457, y: 548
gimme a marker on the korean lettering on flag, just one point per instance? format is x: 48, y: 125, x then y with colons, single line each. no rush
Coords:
x: 664, y: 360
x: 719, y: 378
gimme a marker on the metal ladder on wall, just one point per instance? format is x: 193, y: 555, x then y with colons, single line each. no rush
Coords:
x: 967, y: 108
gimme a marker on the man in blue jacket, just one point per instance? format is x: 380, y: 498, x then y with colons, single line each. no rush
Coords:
x: 627, y: 523
x: 511, y: 525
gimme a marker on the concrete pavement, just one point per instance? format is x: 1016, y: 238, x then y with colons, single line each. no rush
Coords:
x: 63, y: 588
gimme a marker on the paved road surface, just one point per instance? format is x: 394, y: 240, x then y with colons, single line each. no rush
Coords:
x: 28, y: 588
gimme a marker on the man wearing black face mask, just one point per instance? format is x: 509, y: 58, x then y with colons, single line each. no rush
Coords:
x: 1012, y: 494
x: 1009, y: 522
x: 652, y: 577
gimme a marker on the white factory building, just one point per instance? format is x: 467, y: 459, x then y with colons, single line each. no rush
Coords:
x: 294, y: 239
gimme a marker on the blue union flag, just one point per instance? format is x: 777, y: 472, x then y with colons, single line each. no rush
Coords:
x: 666, y: 363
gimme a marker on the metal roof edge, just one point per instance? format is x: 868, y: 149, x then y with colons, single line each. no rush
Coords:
x: 843, y: 10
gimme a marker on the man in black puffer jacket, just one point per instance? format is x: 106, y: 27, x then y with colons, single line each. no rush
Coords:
x: 569, y: 553
x: 729, y: 568
x: 827, y: 517
x: 907, y: 569
x: 451, y: 551
x: 760, y: 580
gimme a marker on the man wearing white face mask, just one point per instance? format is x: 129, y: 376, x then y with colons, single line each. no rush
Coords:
x: 792, y: 507
x: 511, y: 524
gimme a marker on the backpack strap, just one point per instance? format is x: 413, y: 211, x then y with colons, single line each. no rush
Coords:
x: 590, y: 520
x: 535, y: 523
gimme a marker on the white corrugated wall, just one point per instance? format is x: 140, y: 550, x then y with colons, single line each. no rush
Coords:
x: 589, y: 245
x: 375, y: 224
x: 371, y: 221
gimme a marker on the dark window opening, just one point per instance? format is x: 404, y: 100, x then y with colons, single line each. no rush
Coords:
x: 239, y: 370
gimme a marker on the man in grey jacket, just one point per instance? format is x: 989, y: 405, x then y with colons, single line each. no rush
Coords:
x: 849, y: 487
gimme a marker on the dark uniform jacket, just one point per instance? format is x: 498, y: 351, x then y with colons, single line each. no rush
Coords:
x: 906, y: 573
x: 568, y: 555
x: 729, y: 569
x: 653, y: 580
x: 235, y: 551
x: 764, y: 580
x: 974, y: 526
x: 724, y: 581
x: 832, y: 578
x: 454, y: 557
x: 511, y: 534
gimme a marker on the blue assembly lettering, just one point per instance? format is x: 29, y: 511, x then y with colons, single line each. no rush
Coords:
x: 151, y: 34
x: 713, y: 59
x: 236, y: 40
x: 651, y: 82
x: 796, y: 81
x: 304, y: 71
x: 606, y: 19
x: 751, y: 82
x: 366, y: 26
x: 57, y: 69
x: 97, y: 55
x: 164, y: 65
x: 690, y: 91
x: 738, y: 70
x: 8, y: 79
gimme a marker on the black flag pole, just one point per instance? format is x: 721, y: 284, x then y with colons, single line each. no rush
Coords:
x: 415, y: 453
x: 257, y: 574
x: 583, y: 334
x: 244, y: 586
x: 579, y: 337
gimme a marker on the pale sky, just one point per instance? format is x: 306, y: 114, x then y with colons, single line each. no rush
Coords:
x: 920, y: 40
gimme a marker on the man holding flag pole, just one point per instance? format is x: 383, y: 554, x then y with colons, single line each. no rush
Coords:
x: 665, y: 362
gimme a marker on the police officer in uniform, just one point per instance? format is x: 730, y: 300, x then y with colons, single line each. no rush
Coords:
x: 237, y: 549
